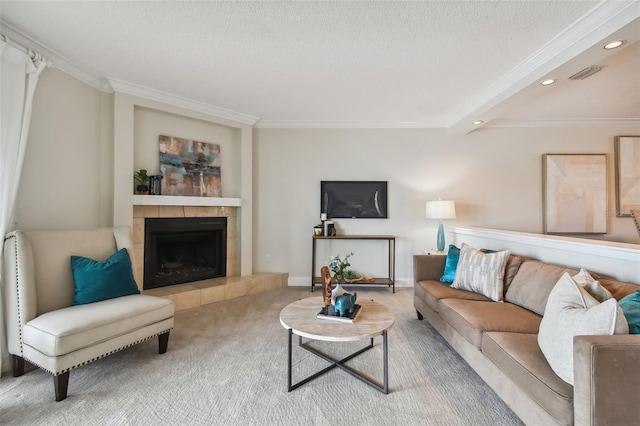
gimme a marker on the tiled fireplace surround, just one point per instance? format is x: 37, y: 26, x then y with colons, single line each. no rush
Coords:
x: 203, y: 292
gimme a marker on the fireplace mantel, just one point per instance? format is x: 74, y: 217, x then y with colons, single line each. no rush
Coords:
x: 174, y: 200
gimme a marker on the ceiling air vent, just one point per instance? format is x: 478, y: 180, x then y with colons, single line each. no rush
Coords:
x: 587, y: 72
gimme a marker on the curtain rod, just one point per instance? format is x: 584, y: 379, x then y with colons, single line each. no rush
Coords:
x: 32, y: 54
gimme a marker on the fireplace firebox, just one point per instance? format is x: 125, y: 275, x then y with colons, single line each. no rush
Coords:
x: 180, y: 250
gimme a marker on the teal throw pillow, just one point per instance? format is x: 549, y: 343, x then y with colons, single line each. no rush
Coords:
x: 94, y: 281
x: 453, y: 255
x: 631, y: 307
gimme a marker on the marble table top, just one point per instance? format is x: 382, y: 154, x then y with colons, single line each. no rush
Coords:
x: 300, y: 316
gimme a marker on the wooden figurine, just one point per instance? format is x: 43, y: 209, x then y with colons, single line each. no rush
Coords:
x: 326, y: 285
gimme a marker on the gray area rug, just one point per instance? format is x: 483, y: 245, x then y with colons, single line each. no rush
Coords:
x: 227, y: 365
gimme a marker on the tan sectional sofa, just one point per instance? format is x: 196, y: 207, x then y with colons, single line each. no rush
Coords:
x: 499, y: 341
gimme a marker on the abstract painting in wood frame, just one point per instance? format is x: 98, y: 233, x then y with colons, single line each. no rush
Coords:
x: 190, y: 167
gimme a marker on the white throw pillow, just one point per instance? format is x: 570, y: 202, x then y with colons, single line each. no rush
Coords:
x: 592, y: 286
x: 572, y: 311
x: 481, y: 272
x: 583, y: 277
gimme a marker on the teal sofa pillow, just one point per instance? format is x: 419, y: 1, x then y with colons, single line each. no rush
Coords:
x: 94, y: 281
x: 453, y: 255
x: 631, y: 307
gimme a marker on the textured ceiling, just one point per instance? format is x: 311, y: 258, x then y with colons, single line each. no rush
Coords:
x: 423, y: 63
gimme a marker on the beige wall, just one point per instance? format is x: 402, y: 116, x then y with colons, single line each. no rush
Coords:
x: 493, y: 175
x: 67, y: 179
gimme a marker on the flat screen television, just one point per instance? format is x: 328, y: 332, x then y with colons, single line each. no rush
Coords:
x: 353, y: 199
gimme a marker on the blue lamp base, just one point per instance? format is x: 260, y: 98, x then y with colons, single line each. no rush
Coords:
x: 440, y: 237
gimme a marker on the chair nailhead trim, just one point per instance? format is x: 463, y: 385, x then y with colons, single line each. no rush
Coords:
x: 13, y: 236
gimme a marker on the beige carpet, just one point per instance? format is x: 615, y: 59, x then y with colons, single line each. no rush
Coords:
x: 227, y: 365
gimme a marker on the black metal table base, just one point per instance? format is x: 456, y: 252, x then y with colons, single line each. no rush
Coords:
x: 384, y: 388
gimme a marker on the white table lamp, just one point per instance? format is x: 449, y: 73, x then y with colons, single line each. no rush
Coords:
x: 441, y: 209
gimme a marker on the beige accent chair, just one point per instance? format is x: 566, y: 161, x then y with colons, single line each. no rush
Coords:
x: 41, y: 325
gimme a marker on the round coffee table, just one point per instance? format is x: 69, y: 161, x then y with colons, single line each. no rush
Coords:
x: 374, y: 320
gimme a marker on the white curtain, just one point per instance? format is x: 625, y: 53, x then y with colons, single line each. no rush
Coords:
x: 18, y: 77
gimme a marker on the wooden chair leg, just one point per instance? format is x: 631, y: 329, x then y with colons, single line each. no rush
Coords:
x: 61, y: 384
x: 18, y: 366
x: 163, y: 342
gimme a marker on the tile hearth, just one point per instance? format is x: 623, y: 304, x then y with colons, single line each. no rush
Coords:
x: 191, y: 295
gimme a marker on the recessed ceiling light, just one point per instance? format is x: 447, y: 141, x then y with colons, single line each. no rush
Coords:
x: 477, y: 122
x: 548, y: 82
x: 613, y: 44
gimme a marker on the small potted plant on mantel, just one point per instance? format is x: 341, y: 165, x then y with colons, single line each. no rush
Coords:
x: 143, y: 179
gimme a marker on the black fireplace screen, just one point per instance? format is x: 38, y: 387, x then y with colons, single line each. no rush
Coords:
x: 180, y: 250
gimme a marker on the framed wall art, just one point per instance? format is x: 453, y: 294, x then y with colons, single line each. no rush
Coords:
x: 627, y: 160
x: 574, y: 190
x: 189, y: 167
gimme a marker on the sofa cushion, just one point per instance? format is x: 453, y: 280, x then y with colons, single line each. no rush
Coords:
x: 66, y: 330
x: 519, y: 356
x: 471, y: 318
x: 513, y: 266
x: 532, y: 284
x: 572, y: 311
x: 481, y: 272
x: 432, y: 291
x: 618, y: 289
x: 94, y: 280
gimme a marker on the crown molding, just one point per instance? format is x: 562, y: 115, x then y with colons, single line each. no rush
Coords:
x: 168, y: 98
x: 110, y: 85
x: 56, y: 59
x: 345, y: 124
x: 601, y: 21
x: 580, y: 122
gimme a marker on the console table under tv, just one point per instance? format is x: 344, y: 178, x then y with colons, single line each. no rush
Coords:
x: 388, y: 281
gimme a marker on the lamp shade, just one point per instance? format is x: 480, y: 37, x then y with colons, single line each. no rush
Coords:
x: 441, y: 209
